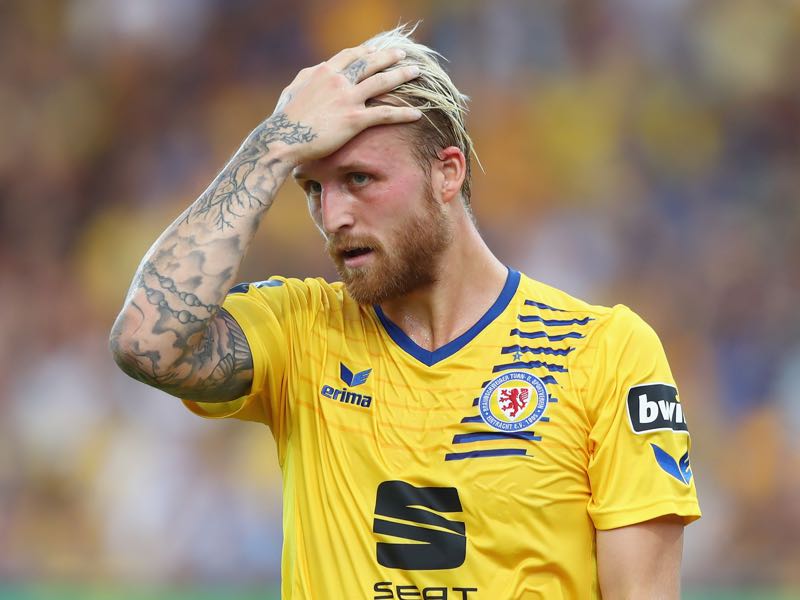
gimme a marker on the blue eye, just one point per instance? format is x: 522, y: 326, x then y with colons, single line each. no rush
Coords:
x: 360, y: 178
x: 313, y: 188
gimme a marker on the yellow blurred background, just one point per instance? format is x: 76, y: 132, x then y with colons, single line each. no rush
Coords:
x: 635, y: 151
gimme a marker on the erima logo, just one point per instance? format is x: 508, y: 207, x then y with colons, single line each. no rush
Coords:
x: 655, y: 407
x: 679, y: 469
x: 345, y: 395
x: 352, y: 379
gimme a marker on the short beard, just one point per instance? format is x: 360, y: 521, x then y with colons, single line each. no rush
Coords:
x: 411, y: 264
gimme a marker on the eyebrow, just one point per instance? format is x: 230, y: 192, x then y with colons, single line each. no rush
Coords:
x: 353, y: 167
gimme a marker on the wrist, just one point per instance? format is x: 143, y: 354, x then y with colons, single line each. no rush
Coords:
x: 278, y: 137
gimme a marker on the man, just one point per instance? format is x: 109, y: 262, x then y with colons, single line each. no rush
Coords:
x: 446, y: 427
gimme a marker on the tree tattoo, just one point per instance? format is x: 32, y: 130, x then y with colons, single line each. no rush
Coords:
x: 234, y: 190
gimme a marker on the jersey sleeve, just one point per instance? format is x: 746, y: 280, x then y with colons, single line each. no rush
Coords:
x: 639, y: 442
x: 273, y: 316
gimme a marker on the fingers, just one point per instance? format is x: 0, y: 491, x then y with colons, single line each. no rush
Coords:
x: 384, y: 114
x: 364, y: 62
x: 386, y: 81
x: 331, y: 98
x: 339, y: 62
x: 374, y: 63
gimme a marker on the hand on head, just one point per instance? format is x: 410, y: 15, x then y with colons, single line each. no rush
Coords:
x: 329, y: 100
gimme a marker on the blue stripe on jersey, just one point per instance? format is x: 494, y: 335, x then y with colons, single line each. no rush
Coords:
x: 537, y: 350
x: 466, y: 438
x: 542, y: 305
x: 553, y: 322
x: 477, y: 419
x: 533, y: 364
x: 241, y: 288
x: 542, y: 334
x: 429, y: 358
x: 485, y: 453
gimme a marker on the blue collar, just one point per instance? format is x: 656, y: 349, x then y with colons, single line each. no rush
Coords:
x: 429, y: 358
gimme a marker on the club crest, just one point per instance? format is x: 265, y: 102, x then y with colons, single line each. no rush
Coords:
x: 513, y: 401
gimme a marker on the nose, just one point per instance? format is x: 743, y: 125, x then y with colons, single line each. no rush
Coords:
x: 336, y: 209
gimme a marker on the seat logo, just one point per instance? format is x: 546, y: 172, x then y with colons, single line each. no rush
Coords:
x: 410, y: 513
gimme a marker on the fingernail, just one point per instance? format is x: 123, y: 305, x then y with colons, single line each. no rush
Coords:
x: 401, y: 54
x: 413, y: 71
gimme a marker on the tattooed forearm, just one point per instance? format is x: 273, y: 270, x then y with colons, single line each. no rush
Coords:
x: 158, y: 297
x: 220, y: 368
x: 208, y: 356
x: 249, y: 181
x: 172, y: 333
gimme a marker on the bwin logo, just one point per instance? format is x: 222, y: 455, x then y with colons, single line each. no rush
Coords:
x: 345, y: 395
x: 655, y: 407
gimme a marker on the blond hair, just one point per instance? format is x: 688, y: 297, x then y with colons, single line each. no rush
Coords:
x: 443, y: 107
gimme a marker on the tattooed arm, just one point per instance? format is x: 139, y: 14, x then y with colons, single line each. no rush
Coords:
x: 172, y: 332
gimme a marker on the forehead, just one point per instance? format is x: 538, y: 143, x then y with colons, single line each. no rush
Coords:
x: 380, y: 147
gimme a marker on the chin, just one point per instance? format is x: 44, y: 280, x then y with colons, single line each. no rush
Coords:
x: 375, y: 285
x: 364, y: 289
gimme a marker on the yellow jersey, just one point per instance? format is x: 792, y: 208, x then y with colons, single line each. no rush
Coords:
x: 478, y: 471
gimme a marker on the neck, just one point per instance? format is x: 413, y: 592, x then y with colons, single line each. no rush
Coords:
x: 469, y: 281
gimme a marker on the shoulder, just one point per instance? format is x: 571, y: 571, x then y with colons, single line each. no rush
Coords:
x: 546, y: 297
x: 310, y: 284
x: 616, y: 323
x: 309, y: 299
x: 312, y: 288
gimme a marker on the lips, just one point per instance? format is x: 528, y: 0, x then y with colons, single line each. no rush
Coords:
x: 354, y: 252
x: 356, y: 257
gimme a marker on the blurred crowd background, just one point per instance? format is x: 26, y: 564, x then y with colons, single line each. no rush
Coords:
x: 635, y: 151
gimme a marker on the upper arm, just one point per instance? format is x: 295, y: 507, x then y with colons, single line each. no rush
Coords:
x: 643, y: 489
x: 638, y: 443
x: 212, y: 364
x: 222, y: 364
x: 641, y: 560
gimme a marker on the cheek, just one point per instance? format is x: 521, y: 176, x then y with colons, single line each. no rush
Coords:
x: 411, y: 182
x: 403, y: 194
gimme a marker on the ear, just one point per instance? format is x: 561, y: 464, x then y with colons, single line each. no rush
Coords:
x: 448, y: 173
